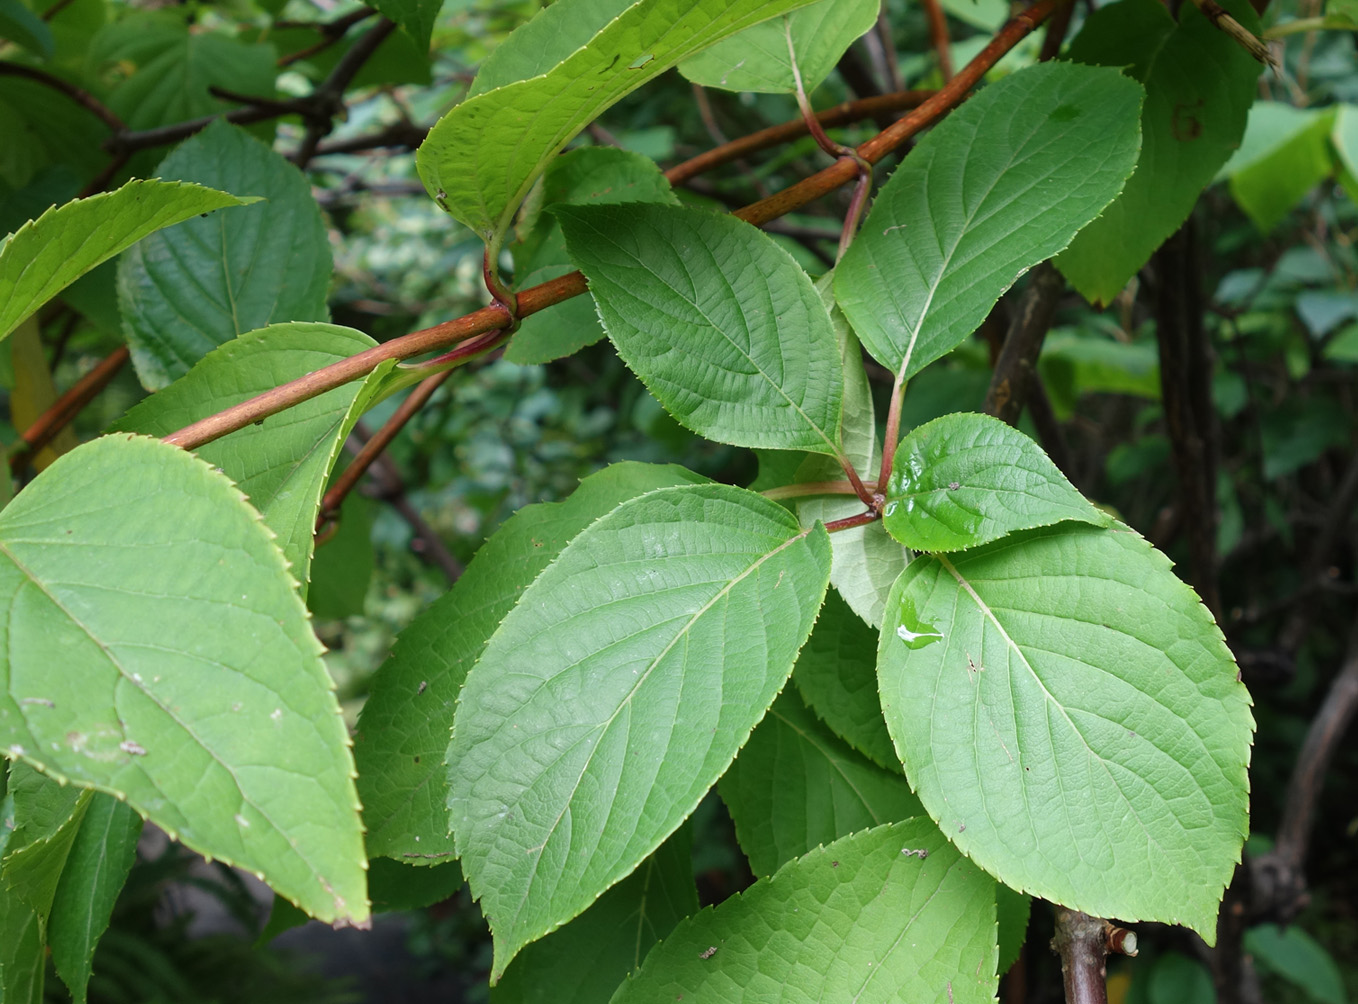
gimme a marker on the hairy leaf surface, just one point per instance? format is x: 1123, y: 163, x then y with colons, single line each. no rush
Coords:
x: 1199, y: 84
x: 282, y: 462
x: 796, y: 786
x: 1070, y: 715
x: 155, y: 648
x: 720, y: 323
x: 404, y: 727
x: 482, y: 157
x: 758, y: 60
x: 46, y: 255
x: 887, y: 915
x: 967, y: 479
x: 1001, y: 184
x: 189, y: 289
x: 618, y: 690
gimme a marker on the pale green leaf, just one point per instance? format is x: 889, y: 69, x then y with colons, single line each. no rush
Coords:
x: 482, y: 157
x: 585, y: 961
x: 618, y: 690
x: 968, y: 479
x: 721, y: 324
x: 1001, y: 184
x: 1199, y: 84
x: 190, y: 288
x: 282, y: 462
x: 1285, y: 153
x: 156, y: 648
x: 98, y: 865
x: 796, y: 786
x: 554, y: 33
x: 836, y: 675
x: 594, y: 175
x: 758, y: 59
x: 404, y: 726
x: 888, y: 915
x: 1070, y: 715
x: 47, y: 254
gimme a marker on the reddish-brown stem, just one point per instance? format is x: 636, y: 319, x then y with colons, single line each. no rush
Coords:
x: 539, y: 297
x: 938, y: 37
x: 83, y: 98
x: 806, y: 488
x: 66, y: 407
x: 373, y: 448
x: 849, y: 522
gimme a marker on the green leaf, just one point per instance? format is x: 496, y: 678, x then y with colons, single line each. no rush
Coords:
x: 47, y: 816
x: 721, y: 324
x: 967, y: 479
x: 48, y: 254
x: 1199, y: 84
x: 1298, y: 958
x: 595, y: 175
x: 191, y: 288
x: 156, y: 649
x: 395, y: 885
x: 342, y: 570
x: 796, y: 786
x: 404, y: 726
x: 888, y: 915
x: 1285, y: 153
x: 1011, y: 912
x: 482, y: 157
x: 23, y: 960
x: 618, y: 690
x: 170, y: 68
x: 1001, y: 184
x: 98, y: 865
x: 281, y: 463
x: 758, y: 60
x: 21, y: 26
x: 1067, y: 668
x: 544, y: 42
x: 836, y: 674
x: 417, y: 17
x: 585, y: 961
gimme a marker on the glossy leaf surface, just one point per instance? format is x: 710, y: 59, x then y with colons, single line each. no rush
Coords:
x: 967, y: 479
x: 189, y: 680
x: 721, y: 324
x: 404, y: 727
x: 1001, y: 184
x: 890, y: 914
x: 758, y: 58
x: 482, y: 157
x: 189, y: 289
x: 1199, y: 84
x: 796, y: 786
x: 1070, y: 715
x: 46, y: 255
x: 618, y: 690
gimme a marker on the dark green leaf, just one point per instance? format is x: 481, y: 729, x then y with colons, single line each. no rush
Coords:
x: 403, y: 729
x: 20, y: 25
x: 796, y: 786
x: 1199, y: 84
x: 618, y: 690
x: 1001, y: 184
x: 585, y: 961
x: 1070, y: 715
x: 188, y: 289
x: 888, y: 915
x: 417, y: 17
x: 721, y: 324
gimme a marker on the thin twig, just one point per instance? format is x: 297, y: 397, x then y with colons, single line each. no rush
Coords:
x: 81, y: 97
x: 549, y: 293
x: 331, y: 33
x: 328, y: 99
x: 1223, y: 21
x: 352, y: 474
x: 65, y: 408
x: 938, y: 37
x: 1015, y: 370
